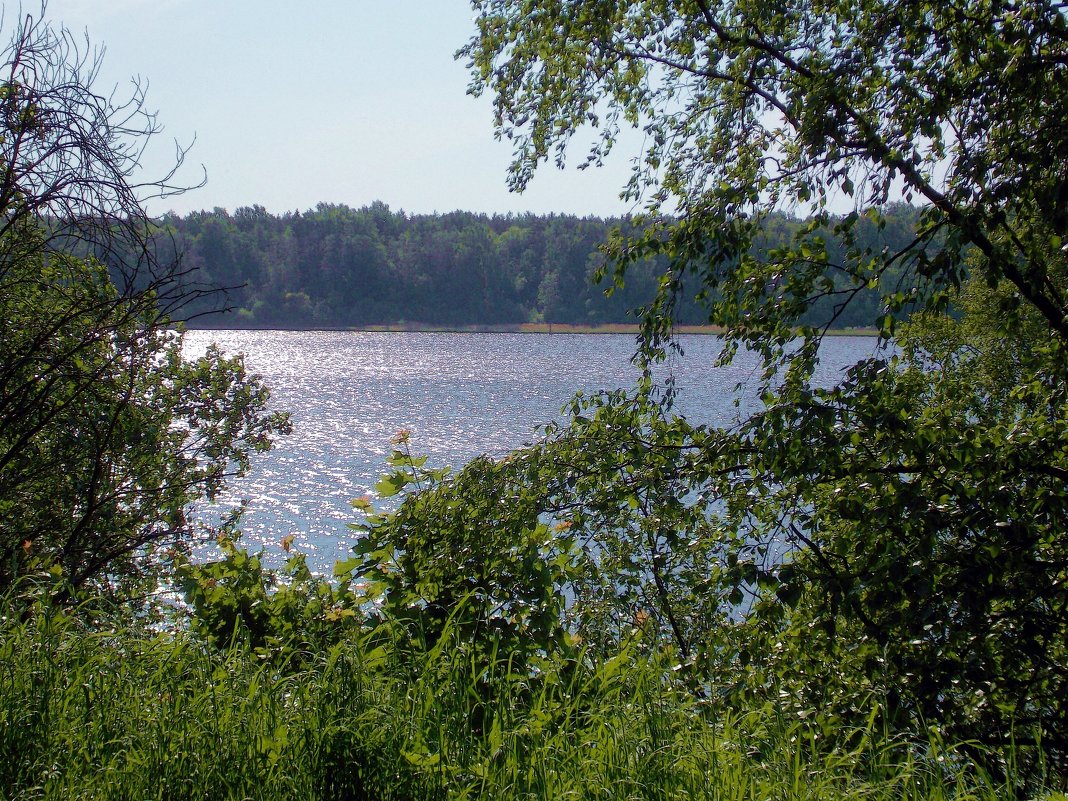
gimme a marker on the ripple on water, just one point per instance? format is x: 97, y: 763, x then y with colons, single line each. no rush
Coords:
x: 460, y: 395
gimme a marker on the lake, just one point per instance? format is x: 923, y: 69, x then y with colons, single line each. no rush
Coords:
x: 460, y: 395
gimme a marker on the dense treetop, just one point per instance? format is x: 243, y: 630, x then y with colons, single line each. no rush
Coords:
x: 339, y: 266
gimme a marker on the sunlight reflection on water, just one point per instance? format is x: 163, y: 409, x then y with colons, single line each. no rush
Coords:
x: 460, y: 395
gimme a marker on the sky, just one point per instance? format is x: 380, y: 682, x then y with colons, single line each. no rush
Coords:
x: 336, y: 101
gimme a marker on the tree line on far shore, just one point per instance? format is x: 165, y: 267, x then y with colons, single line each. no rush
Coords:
x: 336, y: 266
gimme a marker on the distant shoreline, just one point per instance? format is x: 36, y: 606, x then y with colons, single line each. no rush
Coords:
x: 518, y: 328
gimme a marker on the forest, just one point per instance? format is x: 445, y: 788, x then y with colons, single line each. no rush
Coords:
x: 338, y: 267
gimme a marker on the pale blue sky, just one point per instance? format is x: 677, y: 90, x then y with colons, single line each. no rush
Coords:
x: 343, y: 101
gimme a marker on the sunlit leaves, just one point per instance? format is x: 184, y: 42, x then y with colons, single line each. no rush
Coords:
x: 751, y: 107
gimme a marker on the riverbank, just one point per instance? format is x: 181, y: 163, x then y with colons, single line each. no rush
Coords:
x: 515, y: 328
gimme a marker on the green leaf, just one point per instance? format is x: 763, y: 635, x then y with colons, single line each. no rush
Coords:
x: 391, y: 484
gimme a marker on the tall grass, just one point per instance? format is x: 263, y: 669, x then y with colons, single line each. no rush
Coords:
x: 131, y: 715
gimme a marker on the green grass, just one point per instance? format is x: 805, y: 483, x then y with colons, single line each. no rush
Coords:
x: 129, y: 715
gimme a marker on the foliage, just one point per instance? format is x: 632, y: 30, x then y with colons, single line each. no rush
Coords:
x: 751, y: 106
x: 899, y: 537
x: 888, y: 552
x: 338, y: 266
x: 925, y: 539
x: 475, y: 558
x: 107, y: 434
x: 286, y: 618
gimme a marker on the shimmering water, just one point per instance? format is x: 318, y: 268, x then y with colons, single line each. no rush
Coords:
x: 460, y: 395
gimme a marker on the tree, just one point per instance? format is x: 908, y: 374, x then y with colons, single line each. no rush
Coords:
x: 70, y: 156
x: 898, y: 539
x: 749, y: 106
x: 107, y: 434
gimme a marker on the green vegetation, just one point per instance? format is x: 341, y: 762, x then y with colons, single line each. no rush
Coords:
x: 901, y: 534
x: 858, y: 591
x: 338, y: 267
x: 106, y: 434
x: 119, y: 714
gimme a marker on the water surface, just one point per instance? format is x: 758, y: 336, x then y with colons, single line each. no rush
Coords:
x: 459, y: 394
